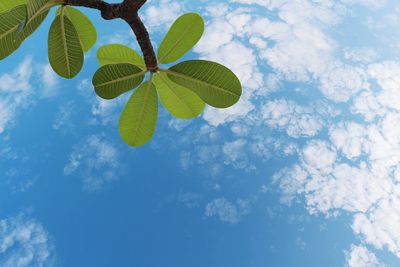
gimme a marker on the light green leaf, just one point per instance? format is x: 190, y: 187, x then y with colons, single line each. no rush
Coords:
x: 6, y: 5
x: 84, y: 27
x: 178, y: 100
x: 116, y: 53
x: 111, y: 81
x: 10, y: 36
x: 181, y: 37
x: 65, y: 50
x: 217, y: 85
x: 139, y: 117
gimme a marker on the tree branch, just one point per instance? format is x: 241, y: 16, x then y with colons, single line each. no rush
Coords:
x: 128, y: 11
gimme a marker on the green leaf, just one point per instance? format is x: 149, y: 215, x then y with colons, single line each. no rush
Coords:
x: 139, y: 117
x: 217, y: 85
x: 179, y: 101
x: 36, y: 7
x: 10, y: 35
x: 65, y: 50
x: 116, y: 53
x: 111, y: 81
x: 9, y: 22
x: 6, y: 5
x: 86, y: 30
x: 182, y: 36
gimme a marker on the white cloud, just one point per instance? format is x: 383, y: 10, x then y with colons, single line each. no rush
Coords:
x: 297, y: 120
x: 15, y: 92
x: 24, y: 243
x: 49, y: 80
x: 62, y: 121
x: 160, y: 16
x: 96, y: 161
x: 360, y: 256
x: 227, y: 211
x: 346, y: 111
x: 17, y: 89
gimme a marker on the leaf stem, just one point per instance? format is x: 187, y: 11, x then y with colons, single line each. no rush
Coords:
x: 128, y: 11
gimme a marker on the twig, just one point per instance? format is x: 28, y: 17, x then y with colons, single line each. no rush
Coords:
x: 128, y: 11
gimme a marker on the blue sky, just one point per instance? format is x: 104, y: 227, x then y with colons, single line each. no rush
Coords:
x: 303, y: 171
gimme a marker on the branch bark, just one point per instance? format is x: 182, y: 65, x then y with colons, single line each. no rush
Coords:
x: 128, y: 11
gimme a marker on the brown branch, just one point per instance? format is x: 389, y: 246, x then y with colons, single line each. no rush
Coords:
x: 128, y: 11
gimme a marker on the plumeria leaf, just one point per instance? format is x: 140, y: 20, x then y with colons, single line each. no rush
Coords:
x: 116, y: 53
x: 178, y: 100
x: 217, y: 85
x: 184, y: 33
x: 11, y: 33
x: 139, y: 117
x: 111, y: 81
x: 6, y: 5
x: 65, y: 49
x: 84, y: 27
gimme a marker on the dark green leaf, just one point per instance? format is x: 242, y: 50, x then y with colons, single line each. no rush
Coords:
x: 217, y: 85
x: 65, y: 50
x: 11, y: 36
x: 84, y: 27
x: 111, y: 81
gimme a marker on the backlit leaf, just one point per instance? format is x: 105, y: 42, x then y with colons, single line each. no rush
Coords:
x: 179, y: 101
x: 6, y: 5
x: 184, y: 33
x: 139, y: 117
x: 116, y: 53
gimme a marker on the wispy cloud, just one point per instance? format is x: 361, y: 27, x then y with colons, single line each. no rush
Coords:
x: 96, y: 161
x: 24, y: 242
x: 311, y: 95
x: 227, y: 211
x: 17, y: 89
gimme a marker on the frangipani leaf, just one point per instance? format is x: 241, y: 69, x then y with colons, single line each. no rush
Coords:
x: 84, y: 27
x: 10, y: 35
x: 10, y: 20
x: 6, y: 5
x: 36, y: 7
x: 111, y: 81
x: 217, y: 85
x: 116, y: 53
x: 178, y: 100
x: 65, y: 50
x: 184, y: 33
x: 139, y: 117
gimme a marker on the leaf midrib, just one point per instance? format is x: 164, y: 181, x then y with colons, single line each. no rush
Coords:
x: 110, y: 59
x: 176, y: 43
x: 122, y: 79
x: 179, y: 98
x: 140, y: 117
x: 64, y: 41
x: 199, y: 81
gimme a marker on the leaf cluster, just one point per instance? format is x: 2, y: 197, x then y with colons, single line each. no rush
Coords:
x: 183, y: 89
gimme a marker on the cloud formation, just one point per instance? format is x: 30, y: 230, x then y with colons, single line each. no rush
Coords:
x: 24, y: 242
